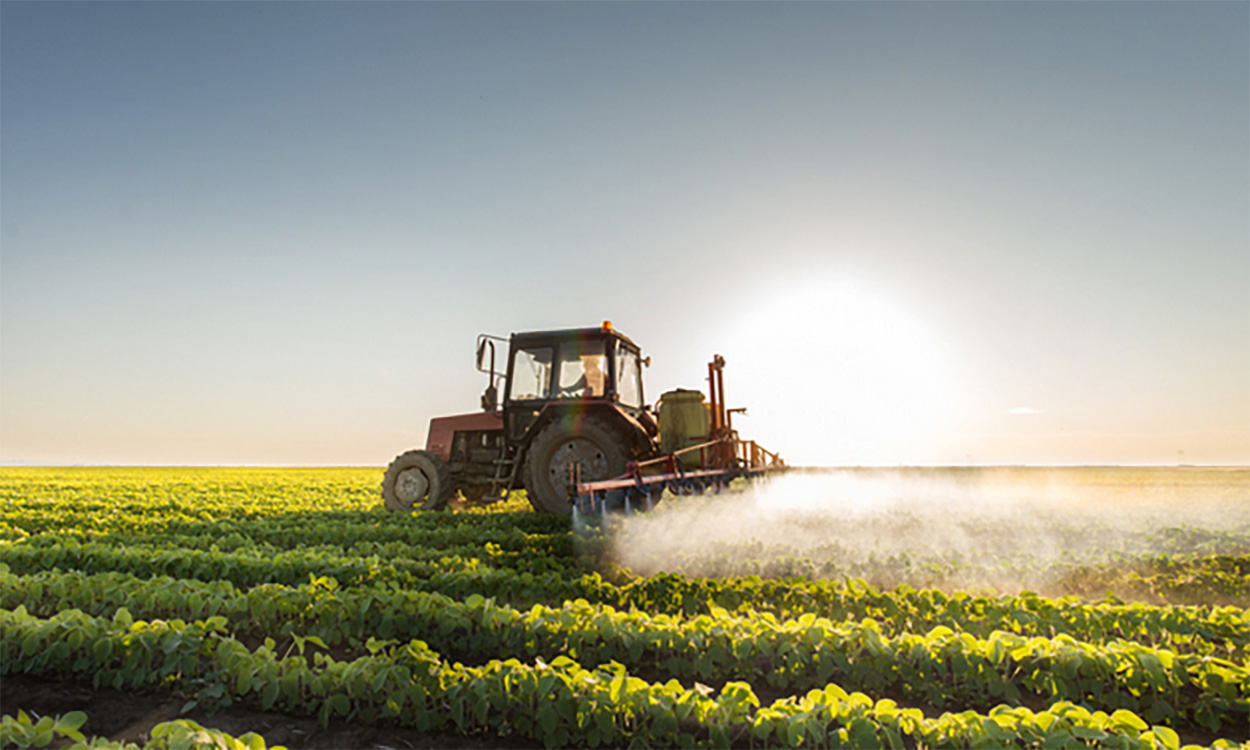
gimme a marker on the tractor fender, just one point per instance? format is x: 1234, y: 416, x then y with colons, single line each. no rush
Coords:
x: 443, y: 430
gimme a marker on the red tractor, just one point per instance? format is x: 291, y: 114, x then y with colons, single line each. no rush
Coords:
x: 573, y: 412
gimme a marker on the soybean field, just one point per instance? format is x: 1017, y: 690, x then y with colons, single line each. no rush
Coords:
x: 917, y: 608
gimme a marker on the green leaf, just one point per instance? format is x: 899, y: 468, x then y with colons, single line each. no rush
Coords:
x: 603, y: 721
x: 993, y: 729
x: 547, y: 718
x: 863, y: 733
x: 252, y: 741
x: 269, y: 696
x: 103, y: 649
x: 566, y: 707
x: 794, y: 733
x: 1167, y: 737
x: 545, y: 683
x: 664, y: 725
x: 340, y: 704
x: 70, y: 721
x: 1059, y: 739
x: 1128, y: 718
x: 616, y: 689
x: 1089, y: 733
x: 824, y: 668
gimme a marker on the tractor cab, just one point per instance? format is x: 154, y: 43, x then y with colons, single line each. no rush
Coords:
x: 553, y: 369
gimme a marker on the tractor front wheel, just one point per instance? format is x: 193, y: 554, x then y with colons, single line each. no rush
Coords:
x: 590, y: 442
x: 417, y: 480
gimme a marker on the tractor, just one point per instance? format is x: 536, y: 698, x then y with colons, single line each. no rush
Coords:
x: 572, y: 412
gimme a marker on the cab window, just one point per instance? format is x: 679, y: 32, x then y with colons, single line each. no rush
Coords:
x: 583, y: 370
x: 628, y: 376
x: 531, y: 374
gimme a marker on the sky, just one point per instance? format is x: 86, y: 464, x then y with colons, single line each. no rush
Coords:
x: 919, y: 233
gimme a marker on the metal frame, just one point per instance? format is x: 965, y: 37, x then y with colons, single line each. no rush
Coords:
x: 746, y: 459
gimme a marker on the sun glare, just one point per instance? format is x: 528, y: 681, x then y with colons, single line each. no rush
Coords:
x: 835, y: 373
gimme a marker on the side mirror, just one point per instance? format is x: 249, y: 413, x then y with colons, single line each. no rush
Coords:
x: 481, y: 351
x: 646, y: 362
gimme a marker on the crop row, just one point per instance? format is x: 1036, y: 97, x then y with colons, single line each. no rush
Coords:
x: 318, y: 526
x: 1216, y: 631
x: 283, y: 502
x: 158, y: 495
x: 235, y: 559
x: 558, y: 703
x: 533, y: 552
x: 1165, y: 578
x: 939, y: 668
x: 21, y: 731
x: 1221, y: 631
x: 252, y: 567
x: 1181, y: 579
x: 357, y: 539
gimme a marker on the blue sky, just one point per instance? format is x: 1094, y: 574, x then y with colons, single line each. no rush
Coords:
x: 269, y: 232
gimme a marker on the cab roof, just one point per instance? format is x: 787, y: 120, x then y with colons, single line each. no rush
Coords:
x: 572, y: 333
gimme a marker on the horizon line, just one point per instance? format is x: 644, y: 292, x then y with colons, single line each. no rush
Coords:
x: 49, y: 465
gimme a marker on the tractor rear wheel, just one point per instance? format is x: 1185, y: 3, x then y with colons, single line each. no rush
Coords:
x: 416, y: 480
x: 600, y: 450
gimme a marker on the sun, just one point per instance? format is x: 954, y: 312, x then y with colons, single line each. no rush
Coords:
x: 836, y: 373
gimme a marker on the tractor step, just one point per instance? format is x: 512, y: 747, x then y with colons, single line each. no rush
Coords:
x: 505, y: 473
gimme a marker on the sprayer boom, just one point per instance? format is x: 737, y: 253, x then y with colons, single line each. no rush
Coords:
x: 720, y: 462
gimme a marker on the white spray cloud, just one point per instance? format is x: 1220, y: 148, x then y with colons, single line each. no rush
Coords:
x: 992, y: 528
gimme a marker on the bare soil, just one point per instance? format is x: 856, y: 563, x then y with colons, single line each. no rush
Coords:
x: 130, y: 715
